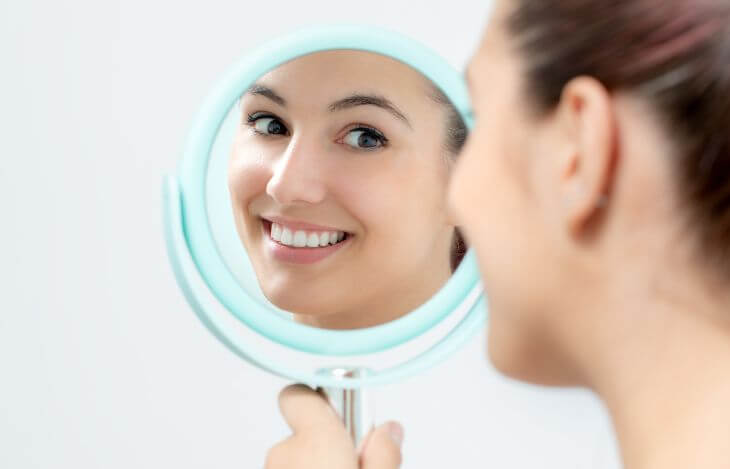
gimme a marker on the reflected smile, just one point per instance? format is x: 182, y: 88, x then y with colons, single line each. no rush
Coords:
x: 302, y: 243
x: 304, y: 238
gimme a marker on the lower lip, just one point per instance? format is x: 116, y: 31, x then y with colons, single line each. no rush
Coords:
x: 293, y: 255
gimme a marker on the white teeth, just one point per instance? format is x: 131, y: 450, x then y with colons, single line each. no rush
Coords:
x: 286, y: 237
x: 276, y: 232
x: 312, y: 240
x: 324, y: 239
x: 301, y: 238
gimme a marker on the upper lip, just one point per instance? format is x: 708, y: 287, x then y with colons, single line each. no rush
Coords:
x: 296, y: 224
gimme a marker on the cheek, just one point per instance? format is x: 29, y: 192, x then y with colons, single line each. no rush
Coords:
x: 495, y: 198
x: 477, y: 186
x: 489, y: 197
x: 248, y: 174
x: 399, y: 206
x: 368, y: 200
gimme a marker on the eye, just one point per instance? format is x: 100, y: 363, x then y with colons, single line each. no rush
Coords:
x: 365, y: 138
x: 266, y: 124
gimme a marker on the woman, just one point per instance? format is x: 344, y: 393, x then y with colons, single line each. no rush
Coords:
x: 338, y: 182
x: 603, y: 135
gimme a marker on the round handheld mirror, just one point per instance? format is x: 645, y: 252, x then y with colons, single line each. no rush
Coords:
x: 307, y: 222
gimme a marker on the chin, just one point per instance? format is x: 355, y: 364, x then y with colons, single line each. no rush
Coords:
x: 506, y: 357
x: 295, y: 303
x: 524, y: 356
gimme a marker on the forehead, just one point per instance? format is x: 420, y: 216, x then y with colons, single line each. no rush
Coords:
x: 329, y: 74
x: 492, y: 48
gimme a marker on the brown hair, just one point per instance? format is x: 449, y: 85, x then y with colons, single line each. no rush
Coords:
x: 456, y: 132
x: 673, y: 53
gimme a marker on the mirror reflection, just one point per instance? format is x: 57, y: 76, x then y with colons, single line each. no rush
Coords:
x: 337, y: 176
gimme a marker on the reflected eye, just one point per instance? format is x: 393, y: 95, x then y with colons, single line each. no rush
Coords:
x: 266, y: 125
x: 365, y: 138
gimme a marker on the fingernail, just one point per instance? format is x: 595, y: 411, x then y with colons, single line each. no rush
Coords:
x: 395, y: 431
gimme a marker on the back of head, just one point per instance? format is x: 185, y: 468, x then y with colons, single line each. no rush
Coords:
x: 673, y: 53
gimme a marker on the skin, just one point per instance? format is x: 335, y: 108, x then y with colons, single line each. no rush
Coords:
x: 601, y: 284
x: 320, y: 441
x: 594, y: 276
x: 390, y: 199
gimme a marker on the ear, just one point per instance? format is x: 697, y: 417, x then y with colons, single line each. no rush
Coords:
x: 586, y: 117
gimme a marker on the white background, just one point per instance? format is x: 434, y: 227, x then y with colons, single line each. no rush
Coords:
x: 102, y: 364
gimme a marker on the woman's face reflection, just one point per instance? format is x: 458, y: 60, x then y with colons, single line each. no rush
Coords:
x: 338, y: 180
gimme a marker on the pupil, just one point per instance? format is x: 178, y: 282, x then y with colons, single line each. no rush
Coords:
x: 274, y: 127
x: 367, y: 140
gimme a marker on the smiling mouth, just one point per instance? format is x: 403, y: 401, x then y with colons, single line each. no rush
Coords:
x: 298, y: 238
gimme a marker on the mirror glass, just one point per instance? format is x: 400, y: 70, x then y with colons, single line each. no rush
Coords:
x: 327, y: 187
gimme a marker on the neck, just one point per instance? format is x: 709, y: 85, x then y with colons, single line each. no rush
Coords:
x: 664, y: 374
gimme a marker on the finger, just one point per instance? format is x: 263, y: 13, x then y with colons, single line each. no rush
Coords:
x: 382, y: 448
x: 303, y: 408
x: 277, y: 456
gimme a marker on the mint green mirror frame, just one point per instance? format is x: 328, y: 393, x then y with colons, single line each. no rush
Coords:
x: 191, y: 242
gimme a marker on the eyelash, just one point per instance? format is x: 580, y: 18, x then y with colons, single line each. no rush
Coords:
x: 372, y: 131
x: 252, y: 118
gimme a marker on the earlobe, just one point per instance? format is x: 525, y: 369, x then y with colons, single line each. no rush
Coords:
x: 587, y: 116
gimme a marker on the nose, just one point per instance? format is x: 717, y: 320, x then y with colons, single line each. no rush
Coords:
x: 297, y: 176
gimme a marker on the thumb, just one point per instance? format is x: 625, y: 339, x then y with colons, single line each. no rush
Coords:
x: 303, y: 408
x: 382, y: 448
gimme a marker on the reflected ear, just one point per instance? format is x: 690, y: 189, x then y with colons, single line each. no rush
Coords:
x: 586, y: 118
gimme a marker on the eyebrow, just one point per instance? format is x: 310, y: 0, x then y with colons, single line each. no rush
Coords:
x: 341, y: 104
x: 368, y: 100
x: 261, y: 90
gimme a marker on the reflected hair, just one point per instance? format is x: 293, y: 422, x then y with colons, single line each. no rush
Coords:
x: 454, y: 139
